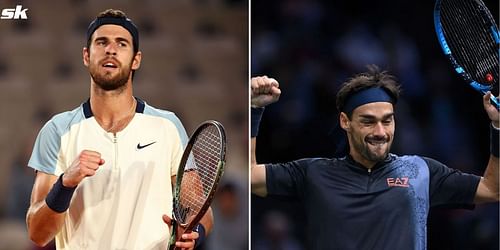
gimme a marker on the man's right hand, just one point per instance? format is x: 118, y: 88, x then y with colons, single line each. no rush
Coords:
x: 42, y: 221
x: 265, y: 91
x: 86, y: 164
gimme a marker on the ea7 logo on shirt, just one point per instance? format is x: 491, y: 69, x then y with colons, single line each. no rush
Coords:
x: 17, y: 13
x: 398, y: 182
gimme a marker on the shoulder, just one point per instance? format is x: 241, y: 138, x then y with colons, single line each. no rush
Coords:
x: 318, y: 162
x: 429, y: 162
x: 416, y: 162
x: 62, y: 122
x: 166, y: 115
x: 157, y: 112
x: 167, y: 118
x: 410, y: 159
x: 306, y: 163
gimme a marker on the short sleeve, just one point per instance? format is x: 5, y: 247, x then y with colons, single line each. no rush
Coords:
x: 179, y: 145
x: 286, y: 180
x: 174, y: 127
x: 46, y: 149
x: 450, y: 187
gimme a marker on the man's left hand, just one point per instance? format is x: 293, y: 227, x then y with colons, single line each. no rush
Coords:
x: 491, y: 110
x: 187, y: 240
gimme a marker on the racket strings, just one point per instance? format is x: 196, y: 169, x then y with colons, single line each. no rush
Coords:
x: 467, y: 31
x: 481, y: 57
x: 200, y: 173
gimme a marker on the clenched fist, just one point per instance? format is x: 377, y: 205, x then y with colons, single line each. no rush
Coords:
x: 265, y: 91
x: 86, y: 164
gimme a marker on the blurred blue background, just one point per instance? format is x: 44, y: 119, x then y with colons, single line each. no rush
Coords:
x: 311, y: 47
x: 195, y: 63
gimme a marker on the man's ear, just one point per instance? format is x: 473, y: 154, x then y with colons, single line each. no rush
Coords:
x: 85, y: 56
x: 136, y: 62
x: 345, y: 123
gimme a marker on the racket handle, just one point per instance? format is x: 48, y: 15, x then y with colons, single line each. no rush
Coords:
x: 495, y: 102
x: 173, y: 236
x: 483, y: 89
x: 173, y: 247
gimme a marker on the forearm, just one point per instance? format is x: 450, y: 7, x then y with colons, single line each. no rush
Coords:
x: 49, y: 202
x: 257, y: 174
x: 491, y: 173
x: 488, y: 188
x: 43, y: 223
x: 490, y: 179
x: 253, y: 160
x: 208, y: 221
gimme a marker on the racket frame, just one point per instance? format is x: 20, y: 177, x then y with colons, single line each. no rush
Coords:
x: 482, y: 88
x: 188, y: 227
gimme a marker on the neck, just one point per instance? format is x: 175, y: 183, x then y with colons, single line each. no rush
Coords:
x: 109, y: 104
x: 113, y: 110
x: 361, y: 160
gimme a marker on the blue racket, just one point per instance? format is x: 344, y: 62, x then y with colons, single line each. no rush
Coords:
x: 469, y: 38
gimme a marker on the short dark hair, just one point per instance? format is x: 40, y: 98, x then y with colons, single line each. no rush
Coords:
x: 371, y: 79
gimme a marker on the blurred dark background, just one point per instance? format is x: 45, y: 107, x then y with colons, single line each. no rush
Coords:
x: 311, y: 47
x: 195, y: 63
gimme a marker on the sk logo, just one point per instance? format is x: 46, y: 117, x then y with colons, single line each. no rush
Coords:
x: 17, y: 13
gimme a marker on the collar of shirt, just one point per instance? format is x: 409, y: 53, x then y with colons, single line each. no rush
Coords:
x: 359, y: 167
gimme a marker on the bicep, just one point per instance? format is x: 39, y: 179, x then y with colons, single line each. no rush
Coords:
x: 258, y: 179
x: 483, y: 193
x: 450, y: 187
x: 487, y: 190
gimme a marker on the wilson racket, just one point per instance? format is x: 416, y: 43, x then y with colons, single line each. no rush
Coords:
x: 200, y: 169
x: 469, y: 38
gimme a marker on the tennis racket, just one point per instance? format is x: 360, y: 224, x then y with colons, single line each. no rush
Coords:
x: 200, y: 169
x: 469, y: 38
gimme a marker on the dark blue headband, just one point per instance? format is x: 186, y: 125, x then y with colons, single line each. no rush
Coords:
x: 366, y: 96
x: 124, y: 22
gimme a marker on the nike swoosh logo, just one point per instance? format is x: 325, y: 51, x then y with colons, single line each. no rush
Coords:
x: 139, y: 146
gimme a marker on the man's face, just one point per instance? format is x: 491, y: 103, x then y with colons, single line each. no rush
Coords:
x: 111, y: 58
x: 370, y: 131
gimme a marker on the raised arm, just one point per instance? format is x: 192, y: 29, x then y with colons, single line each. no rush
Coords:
x: 488, y: 188
x: 45, y: 216
x: 265, y: 91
